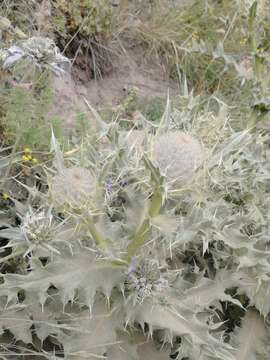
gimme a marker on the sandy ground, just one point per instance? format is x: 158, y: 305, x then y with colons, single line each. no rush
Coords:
x: 129, y: 71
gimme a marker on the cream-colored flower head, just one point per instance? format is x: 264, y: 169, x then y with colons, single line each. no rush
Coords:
x: 73, y: 187
x: 177, y: 155
x: 38, y: 227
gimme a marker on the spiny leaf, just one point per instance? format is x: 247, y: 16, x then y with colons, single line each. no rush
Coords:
x: 208, y: 291
x: 147, y: 351
x: 252, y: 15
x: 236, y: 141
x: 16, y: 319
x: 257, y: 288
x: 135, y: 346
x: 90, y: 336
x: 125, y: 349
x: 247, y: 254
x: 179, y: 322
x: 250, y: 337
x: 80, y: 273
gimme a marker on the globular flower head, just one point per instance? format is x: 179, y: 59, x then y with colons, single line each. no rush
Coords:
x: 73, y: 187
x: 177, y: 155
x: 145, y: 280
x: 38, y: 227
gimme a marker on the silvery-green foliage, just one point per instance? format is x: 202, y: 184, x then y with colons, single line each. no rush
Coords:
x: 40, y: 232
x: 120, y: 265
x: 136, y: 347
x: 252, y: 338
x: 16, y: 319
x: 245, y: 5
x: 40, y: 51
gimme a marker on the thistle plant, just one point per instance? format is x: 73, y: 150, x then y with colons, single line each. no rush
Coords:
x: 124, y: 262
x: 151, y: 243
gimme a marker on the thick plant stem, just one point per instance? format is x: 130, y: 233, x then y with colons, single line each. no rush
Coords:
x: 143, y: 231
x: 253, y: 41
x: 156, y: 202
x: 138, y: 240
x: 100, y: 242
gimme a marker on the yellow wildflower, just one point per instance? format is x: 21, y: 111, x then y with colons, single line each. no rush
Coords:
x: 26, y: 157
x: 5, y: 195
x: 195, y: 35
x: 27, y: 151
x: 34, y: 160
x: 243, y: 41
